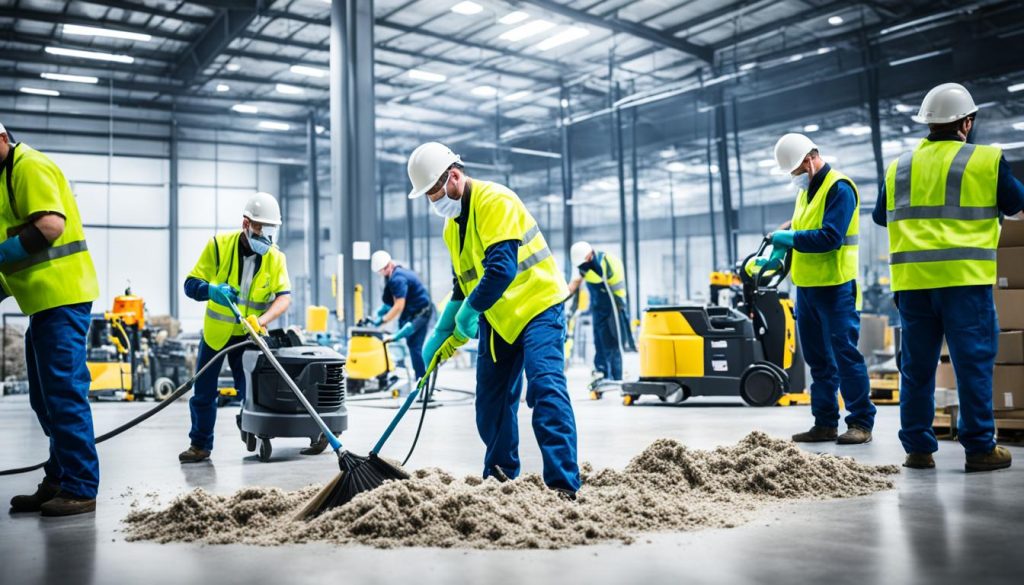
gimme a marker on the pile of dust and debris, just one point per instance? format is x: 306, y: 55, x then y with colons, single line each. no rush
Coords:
x: 666, y: 487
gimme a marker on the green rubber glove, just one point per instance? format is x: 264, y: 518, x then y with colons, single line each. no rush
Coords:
x: 444, y: 328
x: 450, y: 346
x: 467, y: 321
x: 782, y: 238
x: 223, y: 294
x: 777, y: 259
x: 402, y: 333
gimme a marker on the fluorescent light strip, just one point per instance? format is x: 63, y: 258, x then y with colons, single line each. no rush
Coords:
x: 222, y: 87
x: 467, y: 8
x: 515, y: 97
x: 69, y: 78
x: 534, y: 27
x: 309, y: 71
x: 811, y: 128
x: 288, y: 89
x: 1015, y: 87
x: 245, y: 109
x: 573, y: 33
x: 39, y: 91
x: 94, y: 55
x: 268, y: 125
x: 484, y: 91
x: 514, y: 17
x: 92, y: 31
x: 426, y: 75
x: 922, y: 56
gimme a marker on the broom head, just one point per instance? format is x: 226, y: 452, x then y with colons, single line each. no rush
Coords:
x: 358, y: 474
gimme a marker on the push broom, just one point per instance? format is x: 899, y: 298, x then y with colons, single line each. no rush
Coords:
x: 357, y: 474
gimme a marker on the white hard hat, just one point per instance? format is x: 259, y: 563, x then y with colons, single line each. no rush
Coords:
x: 379, y: 260
x: 945, y: 103
x: 790, y: 151
x: 263, y: 208
x: 579, y: 252
x: 426, y: 165
x: 2, y: 129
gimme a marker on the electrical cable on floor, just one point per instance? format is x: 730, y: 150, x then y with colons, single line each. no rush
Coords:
x: 423, y: 415
x: 181, y: 391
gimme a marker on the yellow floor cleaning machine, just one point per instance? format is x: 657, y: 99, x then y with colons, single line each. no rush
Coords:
x: 751, y: 350
x: 371, y: 360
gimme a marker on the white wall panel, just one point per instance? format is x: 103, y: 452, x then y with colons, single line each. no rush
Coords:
x: 197, y: 206
x: 196, y: 172
x: 81, y: 167
x: 236, y: 174
x: 134, y: 205
x: 92, y: 202
x: 139, y: 170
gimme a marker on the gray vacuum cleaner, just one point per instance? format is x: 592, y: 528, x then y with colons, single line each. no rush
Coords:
x: 271, y: 410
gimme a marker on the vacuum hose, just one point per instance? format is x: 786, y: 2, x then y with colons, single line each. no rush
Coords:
x: 181, y: 391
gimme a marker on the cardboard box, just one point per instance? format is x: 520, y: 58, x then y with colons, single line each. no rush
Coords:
x: 1010, y: 267
x: 1010, y: 308
x: 945, y: 377
x: 1012, y: 233
x: 1011, y: 348
x: 1008, y: 387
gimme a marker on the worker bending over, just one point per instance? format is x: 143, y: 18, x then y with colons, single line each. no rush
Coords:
x: 941, y: 204
x: 406, y: 299
x: 507, y: 289
x: 45, y: 264
x: 245, y: 268
x: 825, y: 228
x: 606, y: 283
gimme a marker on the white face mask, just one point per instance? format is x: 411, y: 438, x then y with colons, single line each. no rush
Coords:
x: 801, y: 182
x: 446, y: 207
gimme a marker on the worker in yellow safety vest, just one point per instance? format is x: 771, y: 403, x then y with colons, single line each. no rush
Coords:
x: 941, y: 204
x: 606, y: 282
x: 245, y: 268
x: 823, y: 235
x: 508, y: 291
x: 46, y: 266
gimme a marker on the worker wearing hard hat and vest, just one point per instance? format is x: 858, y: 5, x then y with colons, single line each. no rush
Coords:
x: 406, y: 299
x: 606, y: 282
x: 46, y: 266
x: 245, y: 268
x: 941, y: 203
x: 508, y: 287
x: 823, y: 237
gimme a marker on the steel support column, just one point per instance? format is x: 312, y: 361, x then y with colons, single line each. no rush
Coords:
x: 566, y: 176
x: 636, y: 213
x: 871, y: 79
x: 620, y: 163
x: 353, y: 144
x: 728, y: 214
x: 173, y: 225
x: 313, y: 190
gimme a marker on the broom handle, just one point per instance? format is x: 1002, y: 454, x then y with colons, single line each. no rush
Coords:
x: 333, y: 440
x: 405, y: 407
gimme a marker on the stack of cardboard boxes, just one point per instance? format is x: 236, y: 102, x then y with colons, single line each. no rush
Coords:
x: 1008, y: 377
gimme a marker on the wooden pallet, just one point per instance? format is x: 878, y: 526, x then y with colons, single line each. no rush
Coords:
x: 1009, y: 425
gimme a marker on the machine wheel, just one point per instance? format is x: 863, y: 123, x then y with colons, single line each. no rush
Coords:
x: 163, y: 388
x: 265, y: 450
x: 250, y: 443
x: 761, y: 385
x: 395, y: 393
x: 595, y: 395
x: 354, y: 386
x: 630, y: 399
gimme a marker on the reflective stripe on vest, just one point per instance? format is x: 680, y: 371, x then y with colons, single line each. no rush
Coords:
x: 46, y: 255
x: 943, y: 218
x: 219, y: 317
x: 534, y: 259
x: 835, y: 266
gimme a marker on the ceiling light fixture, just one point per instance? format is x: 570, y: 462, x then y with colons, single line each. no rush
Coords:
x: 811, y: 128
x: 515, y: 97
x: 676, y: 167
x: 534, y: 27
x: 1015, y: 87
x: 245, y: 109
x: 514, y: 17
x: 70, y: 78
x: 222, y: 87
x: 92, y: 31
x: 427, y: 75
x: 94, y: 55
x: 39, y: 91
x: 309, y: 71
x: 288, y: 89
x: 268, y: 125
x: 573, y: 33
x: 468, y: 8
x: 484, y: 91
x: 835, y: 20
x: 232, y: 67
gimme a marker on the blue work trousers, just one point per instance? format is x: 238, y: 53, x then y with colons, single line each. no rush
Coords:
x: 607, y: 353
x: 421, y: 325
x: 58, y: 385
x: 540, y: 351
x: 829, y: 327
x: 203, y: 404
x: 966, y: 316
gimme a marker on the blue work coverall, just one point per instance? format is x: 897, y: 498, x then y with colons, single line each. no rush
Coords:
x: 404, y: 284
x: 604, y: 311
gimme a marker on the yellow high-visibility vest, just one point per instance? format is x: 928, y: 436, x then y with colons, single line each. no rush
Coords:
x: 825, y: 268
x: 612, y: 271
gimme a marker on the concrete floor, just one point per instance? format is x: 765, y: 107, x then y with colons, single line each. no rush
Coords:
x: 937, y: 526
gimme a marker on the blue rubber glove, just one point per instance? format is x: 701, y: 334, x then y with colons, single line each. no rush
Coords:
x: 383, y: 310
x: 11, y: 250
x: 467, y: 321
x: 223, y: 294
x: 404, y: 332
x: 444, y: 328
x: 783, y: 238
x: 777, y: 258
x: 449, y: 347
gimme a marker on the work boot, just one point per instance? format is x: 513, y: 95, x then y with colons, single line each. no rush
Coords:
x: 45, y: 492
x: 566, y: 495
x: 817, y: 434
x: 316, y: 447
x: 919, y: 461
x: 855, y: 435
x: 997, y: 458
x: 193, y: 455
x: 67, y: 505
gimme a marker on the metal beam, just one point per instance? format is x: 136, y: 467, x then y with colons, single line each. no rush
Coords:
x: 145, y: 8
x: 567, y: 202
x: 618, y: 25
x: 313, y: 189
x: 62, y: 18
x: 172, y: 221
x: 210, y: 43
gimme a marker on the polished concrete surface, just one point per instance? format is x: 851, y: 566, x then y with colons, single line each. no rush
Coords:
x: 937, y: 526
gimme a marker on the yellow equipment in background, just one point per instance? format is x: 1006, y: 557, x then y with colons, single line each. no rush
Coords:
x: 119, y: 353
x: 751, y: 350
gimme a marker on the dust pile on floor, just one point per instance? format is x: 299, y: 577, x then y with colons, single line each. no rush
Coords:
x: 666, y: 487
